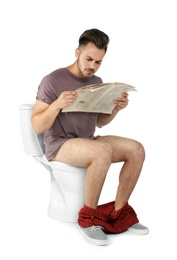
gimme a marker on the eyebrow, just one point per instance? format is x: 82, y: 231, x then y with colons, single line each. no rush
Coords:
x: 93, y: 59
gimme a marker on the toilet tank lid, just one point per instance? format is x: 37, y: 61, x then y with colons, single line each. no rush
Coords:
x: 26, y: 106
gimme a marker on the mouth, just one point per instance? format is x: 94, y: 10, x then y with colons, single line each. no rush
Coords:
x: 89, y: 71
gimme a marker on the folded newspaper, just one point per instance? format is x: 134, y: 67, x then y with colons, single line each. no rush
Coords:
x: 98, y: 98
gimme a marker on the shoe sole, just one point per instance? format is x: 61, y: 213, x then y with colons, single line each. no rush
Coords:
x: 138, y: 231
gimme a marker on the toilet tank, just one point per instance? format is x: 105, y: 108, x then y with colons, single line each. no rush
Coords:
x: 32, y: 143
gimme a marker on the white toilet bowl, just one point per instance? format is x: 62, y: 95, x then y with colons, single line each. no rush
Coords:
x: 67, y: 181
x: 67, y: 191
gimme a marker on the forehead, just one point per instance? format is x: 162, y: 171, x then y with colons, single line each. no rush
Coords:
x: 90, y: 50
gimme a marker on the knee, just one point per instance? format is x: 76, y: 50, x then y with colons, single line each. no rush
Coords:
x: 139, y: 151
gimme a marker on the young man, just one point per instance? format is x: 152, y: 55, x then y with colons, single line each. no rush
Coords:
x: 69, y: 138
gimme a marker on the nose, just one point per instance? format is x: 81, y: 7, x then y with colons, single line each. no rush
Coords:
x: 92, y: 65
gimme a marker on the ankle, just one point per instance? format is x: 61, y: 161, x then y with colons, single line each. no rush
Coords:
x: 119, y: 206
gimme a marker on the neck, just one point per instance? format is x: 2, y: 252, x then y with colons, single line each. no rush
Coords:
x: 74, y: 70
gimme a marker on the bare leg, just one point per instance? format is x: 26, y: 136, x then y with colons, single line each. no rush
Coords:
x: 133, y: 155
x: 96, y: 156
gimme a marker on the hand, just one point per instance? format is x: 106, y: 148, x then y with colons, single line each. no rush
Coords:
x: 66, y: 98
x: 121, y: 102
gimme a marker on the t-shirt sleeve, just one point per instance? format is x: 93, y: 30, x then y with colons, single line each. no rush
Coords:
x: 47, y: 90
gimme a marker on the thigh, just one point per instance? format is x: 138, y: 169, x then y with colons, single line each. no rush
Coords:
x: 80, y: 151
x: 122, y: 147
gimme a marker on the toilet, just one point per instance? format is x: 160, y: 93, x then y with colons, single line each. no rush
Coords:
x: 67, y: 181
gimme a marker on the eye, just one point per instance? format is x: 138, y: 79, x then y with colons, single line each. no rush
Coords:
x: 88, y: 59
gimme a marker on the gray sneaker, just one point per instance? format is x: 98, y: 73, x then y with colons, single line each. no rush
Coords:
x: 138, y: 229
x: 94, y: 235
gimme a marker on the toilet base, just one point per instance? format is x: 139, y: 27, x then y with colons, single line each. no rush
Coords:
x: 65, y: 208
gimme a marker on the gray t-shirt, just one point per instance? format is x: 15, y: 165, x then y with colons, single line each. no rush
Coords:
x: 66, y: 125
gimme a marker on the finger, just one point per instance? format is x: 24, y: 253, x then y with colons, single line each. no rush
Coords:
x: 124, y: 94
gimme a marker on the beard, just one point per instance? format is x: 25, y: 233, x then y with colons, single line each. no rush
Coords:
x: 85, y: 73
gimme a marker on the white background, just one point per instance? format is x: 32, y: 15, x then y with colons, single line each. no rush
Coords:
x: 39, y: 36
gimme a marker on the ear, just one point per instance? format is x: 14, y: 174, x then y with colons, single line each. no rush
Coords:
x: 77, y: 52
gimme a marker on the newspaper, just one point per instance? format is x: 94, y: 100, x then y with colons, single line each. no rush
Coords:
x: 98, y: 98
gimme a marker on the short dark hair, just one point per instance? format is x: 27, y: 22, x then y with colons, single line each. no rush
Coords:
x: 97, y: 37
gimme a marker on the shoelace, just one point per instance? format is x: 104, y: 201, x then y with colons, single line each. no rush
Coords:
x: 96, y: 228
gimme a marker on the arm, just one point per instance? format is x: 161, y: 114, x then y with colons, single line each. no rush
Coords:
x: 44, y: 115
x: 104, y: 119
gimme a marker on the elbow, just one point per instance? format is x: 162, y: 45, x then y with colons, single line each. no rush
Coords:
x: 99, y: 125
x: 37, y: 131
x: 35, y: 127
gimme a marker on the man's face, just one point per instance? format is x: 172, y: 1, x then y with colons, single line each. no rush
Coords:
x: 89, y: 60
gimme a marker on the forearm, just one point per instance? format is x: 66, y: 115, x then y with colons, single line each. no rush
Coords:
x: 42, y: 121
x: 121, y: 103
x: 44, y: 115
x: 104, y: 119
